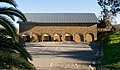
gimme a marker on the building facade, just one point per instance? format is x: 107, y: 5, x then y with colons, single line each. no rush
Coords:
x: 78, y: 27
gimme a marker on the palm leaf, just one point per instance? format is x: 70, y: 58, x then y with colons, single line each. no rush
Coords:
x: 20, y: 40
x: 17, y: 47
x: 12, y: 2
x: 13, y: 54
x: 23, y: 50
x: 11, y: 16
x: 8, y: 22
x: 3, y: 33
x: 8, y: 26
x: 12, y: 11
x: 14, y: 60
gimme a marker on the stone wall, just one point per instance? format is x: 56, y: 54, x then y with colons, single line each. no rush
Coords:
x: 86, y: 29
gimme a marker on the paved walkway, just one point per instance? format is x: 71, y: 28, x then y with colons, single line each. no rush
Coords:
x: 62, y: 58
x: 56, y: 44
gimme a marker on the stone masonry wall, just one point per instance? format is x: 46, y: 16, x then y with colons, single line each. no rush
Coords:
x: 81, y: 29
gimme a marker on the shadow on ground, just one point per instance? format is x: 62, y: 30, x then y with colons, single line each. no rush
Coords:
x: 85, y: 55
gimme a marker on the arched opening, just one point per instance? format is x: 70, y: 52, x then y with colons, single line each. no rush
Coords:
x: 26, y: 37
x: 57, y: 37
x: 68, y: 37
x: 36, y: 37
x: 47, y: 37
x: 89, y: 37
x: 79, y: 37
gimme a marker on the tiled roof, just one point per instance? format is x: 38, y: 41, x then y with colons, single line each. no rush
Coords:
x: 62, y: 17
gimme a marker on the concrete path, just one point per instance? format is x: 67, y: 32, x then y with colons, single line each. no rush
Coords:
x: 62, y: 58
x: 56, y: 44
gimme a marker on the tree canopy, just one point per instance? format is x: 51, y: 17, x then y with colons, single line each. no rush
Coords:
x: 110, y: 9
x: 110, y: 6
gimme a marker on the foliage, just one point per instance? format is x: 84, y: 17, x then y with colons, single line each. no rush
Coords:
x: 103, y: 23
x: 62, y: 38
x: 109, y: 6
x: 13, y: 54
x: 32, y: 39
x: 111, y: 49
x: 41, y: 37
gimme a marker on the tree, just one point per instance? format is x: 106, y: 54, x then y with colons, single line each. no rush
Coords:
x: 110, y: 8
x: 13, y: 54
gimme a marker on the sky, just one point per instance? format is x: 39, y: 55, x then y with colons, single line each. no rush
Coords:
x: 60, y: 6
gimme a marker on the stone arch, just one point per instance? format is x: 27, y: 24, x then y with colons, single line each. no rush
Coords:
x: 36, y: 37
x: 57, y: 37
x: 89, y: 37
x: 46, y: 37
x: 79, y: 37
x: 68, y: 37
x: 26, y: 37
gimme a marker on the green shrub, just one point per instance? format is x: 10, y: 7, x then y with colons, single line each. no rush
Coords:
x: 111, y: 49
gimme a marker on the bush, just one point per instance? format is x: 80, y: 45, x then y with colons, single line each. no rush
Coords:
x: 111, y: 49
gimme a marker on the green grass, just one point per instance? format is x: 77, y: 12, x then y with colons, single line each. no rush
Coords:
x: 111, y: 49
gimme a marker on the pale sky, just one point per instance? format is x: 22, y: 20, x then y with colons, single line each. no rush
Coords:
x: 59, y: 6
x: 68, y: 6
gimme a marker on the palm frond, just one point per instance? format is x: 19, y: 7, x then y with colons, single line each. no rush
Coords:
x: 14, y: 60
x: 8, y: 21
x: 8, y: 26
x: 16, y: 46
x: 22, y: 50
x: 13, y: 11
x: 20, y: 40
x: 13, y: 54
x: 12, y: 2
x: 11, y: 16
x: 3, y: 33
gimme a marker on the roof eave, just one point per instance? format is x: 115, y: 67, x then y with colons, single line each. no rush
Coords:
x: 58, y: 22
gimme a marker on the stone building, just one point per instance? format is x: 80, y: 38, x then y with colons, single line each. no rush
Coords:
x: 78, y: 27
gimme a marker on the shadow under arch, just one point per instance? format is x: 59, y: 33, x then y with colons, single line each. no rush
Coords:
x: 57, y: 37
x: 79, y: 37
x: 46, y: 37
x: 89, y: 37
x: 68, y: 37
x: 26, y: 37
